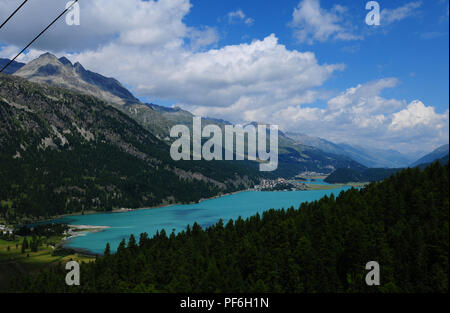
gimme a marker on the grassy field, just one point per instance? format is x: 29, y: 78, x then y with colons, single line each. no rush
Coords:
x: 13, y: 263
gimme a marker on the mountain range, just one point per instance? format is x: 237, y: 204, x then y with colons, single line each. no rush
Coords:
x: 345, y: 175
x: 438, y: 153
x: 48, y: 69
x: 369, y: 157
x: 74, y: 139
x: 12, y: 68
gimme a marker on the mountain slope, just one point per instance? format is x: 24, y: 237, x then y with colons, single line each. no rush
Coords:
x: 47, y: 69
x: 443, y: 161
x: 438, y: 153
x: 63, y: 152
x: 12, y: 68
x: 369, y: 157
x: 377, y: 158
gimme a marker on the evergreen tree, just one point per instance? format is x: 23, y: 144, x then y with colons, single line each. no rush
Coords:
x: 24, y: 244
x: 107, y: 250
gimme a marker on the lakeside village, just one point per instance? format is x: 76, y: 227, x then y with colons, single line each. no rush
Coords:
x: 5, y: 230
x: 281, y: 184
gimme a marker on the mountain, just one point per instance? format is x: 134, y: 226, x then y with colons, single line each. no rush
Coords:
x: 12, y: 68
x: 443, y: 161
x: 295, y: 158
x: 438, y: 153
x: 377, y: 158
x: 49, y: 70
x: 346, y: 175
x: 370, y: 157
x: 63, y: 151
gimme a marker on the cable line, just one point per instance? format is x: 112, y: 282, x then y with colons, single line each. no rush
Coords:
x: 35, y: 38
x: 3, y: 24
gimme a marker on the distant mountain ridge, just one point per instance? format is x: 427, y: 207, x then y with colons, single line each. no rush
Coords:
x: 48, y: 69
x: 374, y: 158
x: 438, y: 153
x: 345, y: 175
x: 12, y: 68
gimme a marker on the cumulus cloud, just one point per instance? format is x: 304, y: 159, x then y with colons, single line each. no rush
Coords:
x: 260, y: 73
x: 148, y: 47
x: 314, y: 23
x: 239, y: 15
x: 153, y: 24
x: 360, y: 115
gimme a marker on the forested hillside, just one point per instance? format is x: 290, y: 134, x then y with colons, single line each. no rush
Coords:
x: 402, y: 223
x: 347, y: 175
x: 437, y: 154
x: 64, y: 152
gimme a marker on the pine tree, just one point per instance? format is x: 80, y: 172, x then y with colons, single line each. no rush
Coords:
x: 132, y: 243
x: 107, y: 249
x: 122, y: 246
x: 24, y: 244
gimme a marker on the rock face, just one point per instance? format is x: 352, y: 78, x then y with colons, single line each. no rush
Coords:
x: 48, y: 69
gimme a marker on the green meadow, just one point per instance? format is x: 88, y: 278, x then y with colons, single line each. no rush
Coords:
x: 14, y: 263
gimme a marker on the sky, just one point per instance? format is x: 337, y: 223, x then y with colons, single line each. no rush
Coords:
x: 309, y: 66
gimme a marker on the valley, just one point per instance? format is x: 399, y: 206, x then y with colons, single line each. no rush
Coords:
x: 79, y: 149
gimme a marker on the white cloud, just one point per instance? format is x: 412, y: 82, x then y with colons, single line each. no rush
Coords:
x: 389, y: 16
x: 313, y: 23
x: 147, y: 46
x: 360, y: 115
x: 239, y: 15
x: 262, y: 72
x: 153, y: 24
x: 417, y: 115
x: 204, y: 37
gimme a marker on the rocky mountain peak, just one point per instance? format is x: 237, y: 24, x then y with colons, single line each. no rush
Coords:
x: 48, y: 69
x: 65, y: 61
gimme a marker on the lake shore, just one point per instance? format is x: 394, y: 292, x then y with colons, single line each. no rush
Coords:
x: 124, y: 210
x: 243, y: 204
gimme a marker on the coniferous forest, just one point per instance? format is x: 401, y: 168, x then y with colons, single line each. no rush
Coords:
x: 323, y: 246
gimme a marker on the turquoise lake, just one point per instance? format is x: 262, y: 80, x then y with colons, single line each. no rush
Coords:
x: 177, y: 217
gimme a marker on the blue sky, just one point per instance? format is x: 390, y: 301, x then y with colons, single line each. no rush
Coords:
x: 415, y: 49
x: 310, y: 66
